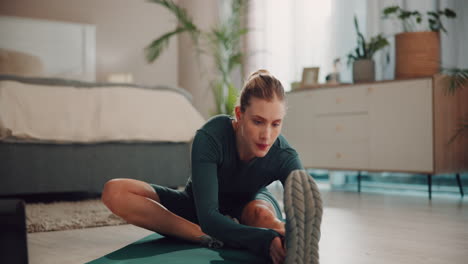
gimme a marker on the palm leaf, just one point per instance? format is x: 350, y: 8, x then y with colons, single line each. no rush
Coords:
x: 231, y: 99
x: 235, y: 60
x: 462, y: 128
x: 183, y: 18
x: 219, y: 97
x: 154, y: 49
x: 458, y: 79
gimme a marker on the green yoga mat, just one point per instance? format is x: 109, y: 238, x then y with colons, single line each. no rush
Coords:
x: 158, y: 249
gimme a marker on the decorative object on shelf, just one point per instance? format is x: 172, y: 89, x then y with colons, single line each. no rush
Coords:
x: 222, y: 43
x: 310, y: 76
x: 417, y: 54
x: 361, y: 57
x: 295, y: 86
x: 123, y: 77
x: 334, y: 77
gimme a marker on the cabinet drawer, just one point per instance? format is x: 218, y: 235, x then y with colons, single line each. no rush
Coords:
x: 401, y: 131
x: 346, y: 155
x: 341, y: 100
x: 348, y: 127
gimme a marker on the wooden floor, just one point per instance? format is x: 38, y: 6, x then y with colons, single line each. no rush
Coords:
x: 356, y: 228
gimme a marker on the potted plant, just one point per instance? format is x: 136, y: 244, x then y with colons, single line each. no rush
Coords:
x: 417, y: 53
x: 361, y: 56
x: 222, y: 43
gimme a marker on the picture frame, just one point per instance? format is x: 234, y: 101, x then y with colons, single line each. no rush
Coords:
x: 310, y: 76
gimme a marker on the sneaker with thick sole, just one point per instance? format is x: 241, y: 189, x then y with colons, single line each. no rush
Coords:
x: 303, y: 207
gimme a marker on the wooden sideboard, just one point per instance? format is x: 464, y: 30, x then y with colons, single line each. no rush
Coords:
x: 396, y: 126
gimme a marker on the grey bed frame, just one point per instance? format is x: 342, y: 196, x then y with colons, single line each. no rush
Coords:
x: 48, y: 168
x: 36, y: 168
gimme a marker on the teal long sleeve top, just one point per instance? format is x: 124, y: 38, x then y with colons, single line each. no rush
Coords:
x: 220, y: 181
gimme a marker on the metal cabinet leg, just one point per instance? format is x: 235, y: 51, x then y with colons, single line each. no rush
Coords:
x: 460, y: 184
x: 359, y: 181
x: 429, y: 185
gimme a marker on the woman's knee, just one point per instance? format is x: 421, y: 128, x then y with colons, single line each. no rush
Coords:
x: 113, y: 190
x: 117, y: 191
x: 256, y: 213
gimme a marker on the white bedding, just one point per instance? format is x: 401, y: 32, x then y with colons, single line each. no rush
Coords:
x: 89, y: 115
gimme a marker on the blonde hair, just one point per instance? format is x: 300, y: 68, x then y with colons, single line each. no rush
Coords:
x: 263, y: 85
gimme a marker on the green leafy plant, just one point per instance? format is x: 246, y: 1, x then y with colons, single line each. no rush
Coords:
x: 222, y: 43
x: 185, y: 24
x: 410, y: 19
x: 458, y: 80
x: 462, y: 128
x: 366, y: 49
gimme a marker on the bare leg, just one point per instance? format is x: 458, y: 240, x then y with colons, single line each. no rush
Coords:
x: 260, y: 213
x: 137, y: 203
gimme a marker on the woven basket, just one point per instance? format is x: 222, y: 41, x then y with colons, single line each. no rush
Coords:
x: 417, y: 54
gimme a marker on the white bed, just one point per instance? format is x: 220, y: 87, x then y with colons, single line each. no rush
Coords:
x: 64, y: 135
x: 67, y: 114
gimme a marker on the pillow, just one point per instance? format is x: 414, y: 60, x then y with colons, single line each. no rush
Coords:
x: 19, y: 63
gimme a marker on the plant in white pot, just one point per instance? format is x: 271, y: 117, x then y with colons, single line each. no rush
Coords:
x: 417, y: 53
x: 361, y: 57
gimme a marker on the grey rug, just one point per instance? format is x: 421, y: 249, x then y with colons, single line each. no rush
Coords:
x: 58, y: 216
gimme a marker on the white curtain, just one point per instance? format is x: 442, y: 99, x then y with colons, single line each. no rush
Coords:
x: 455, y: 43
x: 287, y: 36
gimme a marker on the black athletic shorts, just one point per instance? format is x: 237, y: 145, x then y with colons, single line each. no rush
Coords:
x: 183, y: 205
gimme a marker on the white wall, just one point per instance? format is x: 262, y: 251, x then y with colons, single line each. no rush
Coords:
x: 51, y: 42
x: 196, y: 73
x: 123, y: 29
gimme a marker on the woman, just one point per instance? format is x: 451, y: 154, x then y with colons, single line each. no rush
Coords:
x: 225, y: 200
